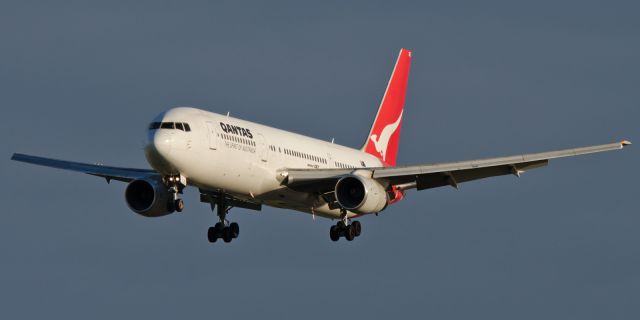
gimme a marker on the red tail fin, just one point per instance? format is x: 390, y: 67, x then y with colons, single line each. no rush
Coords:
x: 384, y: 136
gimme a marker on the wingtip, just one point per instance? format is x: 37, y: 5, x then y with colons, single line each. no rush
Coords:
x: 625, y: 143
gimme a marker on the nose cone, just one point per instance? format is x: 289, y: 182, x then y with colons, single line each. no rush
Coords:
x: 158, y: 150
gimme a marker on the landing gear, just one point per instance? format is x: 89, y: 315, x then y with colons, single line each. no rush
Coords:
x: 334, y: 233
x: 349, y: 233
x: 178, y: 204
x: 223, y: 229
x: 213, y: 233
x: 175, y: 204
x: 343, y: 228
x: 175, y: 188
x: 357, y: 227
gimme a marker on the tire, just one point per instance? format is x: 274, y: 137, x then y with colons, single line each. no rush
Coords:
x: 171, y: 206
x: 178, y: 204
x: 357, y: 227
x: 226, y: 235
x: 235, y: 229
x: 334, y: 234
x: 212, y: 234
x: 350, y: 233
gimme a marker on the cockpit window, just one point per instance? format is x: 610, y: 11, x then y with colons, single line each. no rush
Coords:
x: 170, y: 125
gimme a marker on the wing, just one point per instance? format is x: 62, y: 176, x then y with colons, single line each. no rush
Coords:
x: 109, y: 173
x: 435, y: 175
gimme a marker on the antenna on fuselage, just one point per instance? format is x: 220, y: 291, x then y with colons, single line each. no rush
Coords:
x: 332, y: 139
x: 227, y: 113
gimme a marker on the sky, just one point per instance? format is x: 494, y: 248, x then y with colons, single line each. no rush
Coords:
x: 80, y: 80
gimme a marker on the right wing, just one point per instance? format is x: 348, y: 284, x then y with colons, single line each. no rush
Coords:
x: 437, y: 175
x: 109, y: 173
x: 434, y: 175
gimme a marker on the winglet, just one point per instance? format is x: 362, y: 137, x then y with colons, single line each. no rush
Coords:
x: 624, y: 143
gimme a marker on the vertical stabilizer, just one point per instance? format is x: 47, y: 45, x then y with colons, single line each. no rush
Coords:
x: 384, y: 136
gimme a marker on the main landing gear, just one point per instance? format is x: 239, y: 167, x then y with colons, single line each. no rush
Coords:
x: 223, y: 229
x: 344, y: 229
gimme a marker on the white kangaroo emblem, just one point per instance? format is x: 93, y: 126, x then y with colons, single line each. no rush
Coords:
x: 381, y: 142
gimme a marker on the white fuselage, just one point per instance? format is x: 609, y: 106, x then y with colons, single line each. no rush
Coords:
x: 242, y: 158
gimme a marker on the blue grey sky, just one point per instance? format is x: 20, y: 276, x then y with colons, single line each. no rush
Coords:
x: 81, y: 80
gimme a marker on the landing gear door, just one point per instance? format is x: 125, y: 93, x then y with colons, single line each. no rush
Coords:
x: 212, y: 135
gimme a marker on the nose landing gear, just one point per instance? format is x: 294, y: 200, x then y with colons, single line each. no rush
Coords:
x: 175, y: 188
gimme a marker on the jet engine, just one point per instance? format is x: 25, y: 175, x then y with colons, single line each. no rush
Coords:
x: 361, y: 195
x: 149, y: 198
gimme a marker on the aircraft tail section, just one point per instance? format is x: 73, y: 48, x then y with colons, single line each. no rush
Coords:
x: 384, y: 136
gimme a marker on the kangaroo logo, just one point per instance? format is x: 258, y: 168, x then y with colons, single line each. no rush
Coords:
x: 382, y: 142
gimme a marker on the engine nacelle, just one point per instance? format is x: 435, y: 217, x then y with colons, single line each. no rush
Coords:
x: 361, y: 195
x: 149, y: 198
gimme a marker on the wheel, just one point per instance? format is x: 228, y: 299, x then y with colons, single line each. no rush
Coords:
x: 219, y: 226
x: 334, y: 233
x: 212, y: 234
x: 178, y: 204
x: 235, y: 229
x: 350, y: 233
x: 171, y: 206
x: 357, y: 227
x: 226, y: 235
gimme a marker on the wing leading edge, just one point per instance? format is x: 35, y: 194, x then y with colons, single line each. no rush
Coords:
x: 437, y: 175
x: 107, y: 172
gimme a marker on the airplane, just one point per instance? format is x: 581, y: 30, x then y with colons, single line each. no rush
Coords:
x: 242, y: 164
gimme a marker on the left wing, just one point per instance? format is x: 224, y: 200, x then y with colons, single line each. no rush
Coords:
x: 435, y: 175
x: 109, y: 173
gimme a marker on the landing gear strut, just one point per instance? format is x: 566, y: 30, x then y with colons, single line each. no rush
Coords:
x: 223, y: 229
x: 344, y: 229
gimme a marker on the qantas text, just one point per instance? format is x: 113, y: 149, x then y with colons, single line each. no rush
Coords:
x: 227, y: 128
